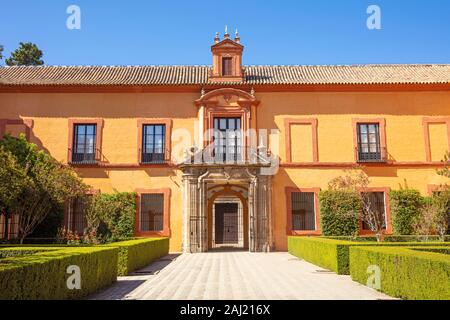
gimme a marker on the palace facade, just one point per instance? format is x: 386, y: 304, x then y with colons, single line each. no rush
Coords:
x: 230, y: 155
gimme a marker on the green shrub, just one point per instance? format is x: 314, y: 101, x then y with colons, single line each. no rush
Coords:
x: 333, y: 254
x: 136, y: 254
x: 405, y: 273
x: 405, y: 209
x: 116, y: 214
x: 339, y: 213
x: 43, y: 275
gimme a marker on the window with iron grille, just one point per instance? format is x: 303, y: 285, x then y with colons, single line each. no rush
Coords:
x: 152, y: 212
x: 303, y: 211
x: 77, y: 214
x: 154, y: 143
x: 84, y: 143
x: 227, y: 139
x: 227, y: 66
x: 369, y: 147
x: 377, y: 205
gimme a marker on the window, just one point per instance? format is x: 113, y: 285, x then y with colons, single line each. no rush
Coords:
x: 227, y: 139
x: 9, y: 226
x: 77, y: 214
x: 227, y: 66
x: 84, y: 143
x: 377, y: 205
x: 153, y: 143
x: 152, y: 212
x: 303, y: 211
x: 369, y: 148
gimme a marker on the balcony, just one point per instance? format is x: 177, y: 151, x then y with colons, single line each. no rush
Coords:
x: 364, y: 155
x: 243, y: 156
x: 153, y: 158
x: 84, y: 158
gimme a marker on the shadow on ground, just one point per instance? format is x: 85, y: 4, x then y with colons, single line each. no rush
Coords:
x: 124, y: 286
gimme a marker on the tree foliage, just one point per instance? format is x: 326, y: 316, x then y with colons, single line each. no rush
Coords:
x: 1, y: 52
x: 434, y: 215
x: 46, y: 184
x: 445, y: 171
x: 13, y: 179
x: 28, y: 54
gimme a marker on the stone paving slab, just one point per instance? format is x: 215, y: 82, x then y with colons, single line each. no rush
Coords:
x: 236, y: 276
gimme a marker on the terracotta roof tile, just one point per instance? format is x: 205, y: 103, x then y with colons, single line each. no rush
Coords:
x: 198, y: 75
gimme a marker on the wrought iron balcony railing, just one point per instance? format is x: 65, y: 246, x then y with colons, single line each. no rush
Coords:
x: 85, y: 158
x: 153, y: 158
x: 242, y: 155
x: 364, y: 155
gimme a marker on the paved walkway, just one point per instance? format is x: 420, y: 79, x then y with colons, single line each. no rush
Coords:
x: 236, y: 276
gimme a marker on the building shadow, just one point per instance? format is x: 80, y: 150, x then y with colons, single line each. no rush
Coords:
x: 126, y: 285
x: 155, y: 267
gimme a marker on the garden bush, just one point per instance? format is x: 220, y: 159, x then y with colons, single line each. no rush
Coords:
x: 135, y: 254
x: 333, y: 254
x: 339, y: 212
x: 405, y: 273
x: 43, y: 275
x: 405, y: 209
x: 114, y: 215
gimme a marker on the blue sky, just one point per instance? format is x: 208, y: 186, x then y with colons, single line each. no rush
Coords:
x: 153, y: 32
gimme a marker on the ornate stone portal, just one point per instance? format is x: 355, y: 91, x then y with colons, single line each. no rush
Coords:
x: 196, y: 182
x: 203, y: 171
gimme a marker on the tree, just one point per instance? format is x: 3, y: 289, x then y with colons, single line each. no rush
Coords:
x: 445, y: 171
x: 48, y: 184
x: 433, y: 218
x: 12, y: 183
x: 357, y: 182
x: 28, y: 54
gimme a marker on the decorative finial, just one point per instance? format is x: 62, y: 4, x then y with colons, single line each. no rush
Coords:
x: 226, y: 32
x: 237, y: 38
x: 217, y: 38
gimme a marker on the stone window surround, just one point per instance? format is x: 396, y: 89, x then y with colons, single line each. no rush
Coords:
x: 166, y: 192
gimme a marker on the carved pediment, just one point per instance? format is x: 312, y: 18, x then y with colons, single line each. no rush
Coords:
x: 227, y: 97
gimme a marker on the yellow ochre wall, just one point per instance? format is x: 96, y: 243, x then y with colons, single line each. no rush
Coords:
x: 403, y: 112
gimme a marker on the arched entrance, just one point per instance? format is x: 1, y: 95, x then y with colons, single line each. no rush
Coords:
x: 228, y: 219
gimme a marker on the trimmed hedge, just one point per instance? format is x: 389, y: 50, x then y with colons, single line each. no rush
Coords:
x: 18, y: 252
x: 395, y: 238
x: 339, y: 213
x: 405, y: 272
x: 43, y: 275
x: 136, y: 254
x: 333, y: 254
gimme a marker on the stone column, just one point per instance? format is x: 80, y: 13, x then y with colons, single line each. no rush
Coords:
x: 190, y: 209
x: 202, y: 217
x: 252, y: 212
x: 263, y: 215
